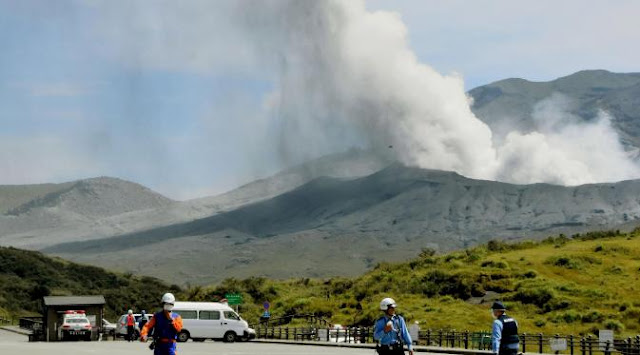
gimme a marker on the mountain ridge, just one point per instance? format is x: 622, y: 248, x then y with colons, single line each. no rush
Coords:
x: 409, y: 208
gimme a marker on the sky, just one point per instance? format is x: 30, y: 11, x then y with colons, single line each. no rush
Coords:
x: 179, y: 96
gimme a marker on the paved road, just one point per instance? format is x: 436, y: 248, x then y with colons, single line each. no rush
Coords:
x: 15, y: 344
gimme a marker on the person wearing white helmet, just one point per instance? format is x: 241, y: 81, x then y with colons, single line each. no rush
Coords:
x: 390, y: 331
x: 131, y: 321
x: 165, y: 326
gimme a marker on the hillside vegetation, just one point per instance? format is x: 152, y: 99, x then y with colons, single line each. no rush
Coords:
x: 564, y: 285
x: 570, y: 285
x: 27, y: 276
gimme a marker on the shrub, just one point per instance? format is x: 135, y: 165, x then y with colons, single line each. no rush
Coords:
x: 531, y: 274
x: 592, y: 317
x: 632, y: 312
x: 556, y: 304
x: 570, y: 316
x: 495, y: 264
x: 613, y: 324
x: 496, y: 245
x: 427, y: 252
x: 565, y: 262
x: 615, y: 270
x: 539, y: 296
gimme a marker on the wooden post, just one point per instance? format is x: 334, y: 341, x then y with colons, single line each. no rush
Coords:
x: 466, y: 339
x: 571, y: 343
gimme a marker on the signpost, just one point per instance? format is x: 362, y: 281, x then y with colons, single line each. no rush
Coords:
x: 558, y: 344
x: 233, y: 299
x: 266, y: 314
x: 606, y: 338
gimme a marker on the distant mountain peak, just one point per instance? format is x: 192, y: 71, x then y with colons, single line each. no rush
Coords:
x: 95, y: 197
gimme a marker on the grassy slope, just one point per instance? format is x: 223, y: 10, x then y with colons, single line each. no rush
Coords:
x: 27, y: 276
x: 561, y: 285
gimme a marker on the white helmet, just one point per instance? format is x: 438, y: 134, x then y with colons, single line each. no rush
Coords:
x: 386, y: 303
x: 130, y: 311
x: 168, y: 298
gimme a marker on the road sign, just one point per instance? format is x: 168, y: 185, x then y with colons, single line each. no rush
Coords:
x: 606, y: 336
x: 558, y: 344
x: 233, y: 298
x: 266, y: 305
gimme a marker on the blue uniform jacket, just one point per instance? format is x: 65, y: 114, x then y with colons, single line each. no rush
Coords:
x: 398, y: 332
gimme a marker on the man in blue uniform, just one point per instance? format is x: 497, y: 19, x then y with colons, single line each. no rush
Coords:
x: 391, y: 331
x: 504, y: 335
x: 165, y: 325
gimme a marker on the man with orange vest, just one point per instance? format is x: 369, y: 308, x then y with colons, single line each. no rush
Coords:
x: 131, y: 321
x: 166, y: 325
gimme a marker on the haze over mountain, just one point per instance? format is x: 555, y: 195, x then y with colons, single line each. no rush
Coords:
x: 335, y: 226
x: 56, y: 213
x: 342, y: 213
x: 513, y: 103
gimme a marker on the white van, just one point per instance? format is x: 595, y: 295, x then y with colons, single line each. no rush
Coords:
x: 211, y: 320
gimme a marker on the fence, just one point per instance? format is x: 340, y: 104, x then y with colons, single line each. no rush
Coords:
x: 5, y: 321
x: 31, y: 323
x: 529, y: 343
x: 311, y: 319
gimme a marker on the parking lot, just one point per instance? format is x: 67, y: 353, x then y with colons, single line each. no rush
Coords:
x: 12, y: 343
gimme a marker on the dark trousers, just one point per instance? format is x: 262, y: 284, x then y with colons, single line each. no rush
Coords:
x: 389, y: 349
x: 505, y: 351
x: 165, y: 349
x: 130, y: 333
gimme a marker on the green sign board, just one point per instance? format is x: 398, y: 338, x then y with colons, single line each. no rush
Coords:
x: 233, y: 298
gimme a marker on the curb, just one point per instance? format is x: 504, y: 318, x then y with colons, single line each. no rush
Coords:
x: 421, y: 349
x: 16, y: 330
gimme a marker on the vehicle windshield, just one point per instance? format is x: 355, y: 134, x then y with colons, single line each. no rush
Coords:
x: 77, y: 320
x: 231, y: 315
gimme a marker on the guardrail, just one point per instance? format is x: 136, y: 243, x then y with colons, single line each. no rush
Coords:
x: 31, y: 323
x: 35, y: 325
x: 311, y: 319
x: 529, y: 343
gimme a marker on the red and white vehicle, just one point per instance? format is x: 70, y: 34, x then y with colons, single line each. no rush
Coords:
x: 74, y: 325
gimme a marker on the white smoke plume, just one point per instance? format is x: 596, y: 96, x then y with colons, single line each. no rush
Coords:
x: 345, y: 75
x: 564, y: 149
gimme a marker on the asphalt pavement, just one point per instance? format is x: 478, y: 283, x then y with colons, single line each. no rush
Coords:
x: 12, y: 343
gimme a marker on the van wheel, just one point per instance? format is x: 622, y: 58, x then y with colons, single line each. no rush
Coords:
x: 183, y: 336
x: 229, y: 337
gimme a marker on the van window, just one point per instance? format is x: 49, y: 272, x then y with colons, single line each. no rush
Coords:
x: 188, y: 314
x: 211, y: 315
x: 231, y: 315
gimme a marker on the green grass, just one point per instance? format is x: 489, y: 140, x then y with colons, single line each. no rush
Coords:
x: 560, y: 285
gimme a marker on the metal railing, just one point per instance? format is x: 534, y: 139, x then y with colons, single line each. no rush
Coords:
x: 529, y: 343
x: 310, y: 319
x: 5, y: 321
x: 31, y: 323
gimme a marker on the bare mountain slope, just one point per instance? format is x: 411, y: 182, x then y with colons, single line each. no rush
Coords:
x: 335, y: 226
x: 14, y: 196
x: 76, y: 203
x: 65, y: 214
